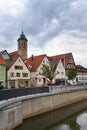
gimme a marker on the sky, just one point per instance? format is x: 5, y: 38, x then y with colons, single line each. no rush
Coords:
x: 52, y: 27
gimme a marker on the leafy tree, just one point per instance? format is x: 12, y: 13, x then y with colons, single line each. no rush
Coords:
x: 72, y: 74
x: 48, y: 71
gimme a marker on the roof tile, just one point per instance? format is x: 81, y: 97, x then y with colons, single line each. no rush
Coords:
x: 35, y: 61
x: 2, y: 61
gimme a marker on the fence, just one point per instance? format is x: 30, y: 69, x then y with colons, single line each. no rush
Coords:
x: 63, y: 89
x: 12, y: 93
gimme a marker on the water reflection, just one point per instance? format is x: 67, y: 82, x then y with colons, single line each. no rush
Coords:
x: 61, y: 119
x: 76, y: 122
x: 68, y: 124
x: 82, y: 121
x: 62, y: 127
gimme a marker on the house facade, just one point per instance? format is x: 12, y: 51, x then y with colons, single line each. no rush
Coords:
x: 18, y: 75
x: 35, y: 63
x: 81, y: 74
x: 60, y: 74
x: 62, y: 62
x: 66, y: 62
x: 2, y: 72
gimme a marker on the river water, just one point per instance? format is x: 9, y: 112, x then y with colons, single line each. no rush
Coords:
x: 73, y: 117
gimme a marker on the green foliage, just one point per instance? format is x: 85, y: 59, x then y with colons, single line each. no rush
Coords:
x: 72, y: 74
x: 48, y: 71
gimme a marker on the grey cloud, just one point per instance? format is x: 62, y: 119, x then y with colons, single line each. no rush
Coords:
x: 75, y: 16
x: 36, y: 18
x: 42, y: 12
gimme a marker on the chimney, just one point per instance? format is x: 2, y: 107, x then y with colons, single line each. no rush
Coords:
x: 32, y: 57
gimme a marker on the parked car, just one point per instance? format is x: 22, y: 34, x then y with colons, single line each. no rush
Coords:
x: 1, y: 87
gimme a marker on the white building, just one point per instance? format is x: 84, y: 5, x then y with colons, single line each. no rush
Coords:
x: 81, y: 74
x: 35, y: 64
x: 60, y: 73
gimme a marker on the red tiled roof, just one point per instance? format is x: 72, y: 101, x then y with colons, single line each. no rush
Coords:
x: 35, y: 61
x: 81, y: 68
x: 12, y: 61
x: 63, y: 57
x: 12, y: 54
x: 2, y: 61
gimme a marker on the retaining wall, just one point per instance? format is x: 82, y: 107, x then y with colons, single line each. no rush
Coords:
x: 14, y: 111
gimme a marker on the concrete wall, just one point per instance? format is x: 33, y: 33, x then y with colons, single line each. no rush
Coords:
x: 41, y: 104
x: 14, y: 111
x: 11, y: 116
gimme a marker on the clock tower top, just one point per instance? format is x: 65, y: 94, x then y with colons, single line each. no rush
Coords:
x: 22, y: 46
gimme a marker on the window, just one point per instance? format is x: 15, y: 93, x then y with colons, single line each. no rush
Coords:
x: 43, y: 61
x: 12, y: 84
x: 62, y: 73
x: 58, y: 72
x: 39, y: 80
x: 11, y: 74
x: 24, y: 45
x: 18, y: 67
x: 25, y: 74
x: 18, y: 74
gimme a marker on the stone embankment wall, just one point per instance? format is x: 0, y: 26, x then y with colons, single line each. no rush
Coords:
x: 14, y: 111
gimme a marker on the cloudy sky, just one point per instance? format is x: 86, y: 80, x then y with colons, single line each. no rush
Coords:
x: 52, y: 27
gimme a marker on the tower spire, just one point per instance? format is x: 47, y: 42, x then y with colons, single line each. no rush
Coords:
x: 22, y: 31
x: 22, y: 46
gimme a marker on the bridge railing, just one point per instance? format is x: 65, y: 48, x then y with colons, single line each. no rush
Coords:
x: 13, y: 93
x: 63, y: 89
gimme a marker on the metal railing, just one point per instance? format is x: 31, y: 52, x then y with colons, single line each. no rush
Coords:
x: 62, y: 89
x: 13, y: 93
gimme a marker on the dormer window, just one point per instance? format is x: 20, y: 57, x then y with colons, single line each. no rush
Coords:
x: 5, y: 55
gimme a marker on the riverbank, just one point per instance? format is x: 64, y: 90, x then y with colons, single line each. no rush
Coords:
x: 14, y: 111
x: 50, y: 119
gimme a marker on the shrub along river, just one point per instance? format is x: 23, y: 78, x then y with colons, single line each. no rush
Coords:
x: 73, y: 117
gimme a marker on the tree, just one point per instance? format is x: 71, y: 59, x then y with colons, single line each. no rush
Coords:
x: 72, y: 74
x: 48, y: 71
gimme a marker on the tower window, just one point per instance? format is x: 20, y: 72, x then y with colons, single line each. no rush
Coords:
x: 24, y: 45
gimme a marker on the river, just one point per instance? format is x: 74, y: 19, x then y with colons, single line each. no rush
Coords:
x: 73, y: 117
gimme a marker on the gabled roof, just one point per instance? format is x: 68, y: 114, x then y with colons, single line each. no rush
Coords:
x: 54, y: 61
x: 81, y: 68
x: 13, y: 54
x: 5, y: 55
x: 64, y: 57
x: 2, y: 61
x: 35, y: 61
x: 1, y: 52
x: 12, y: 61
